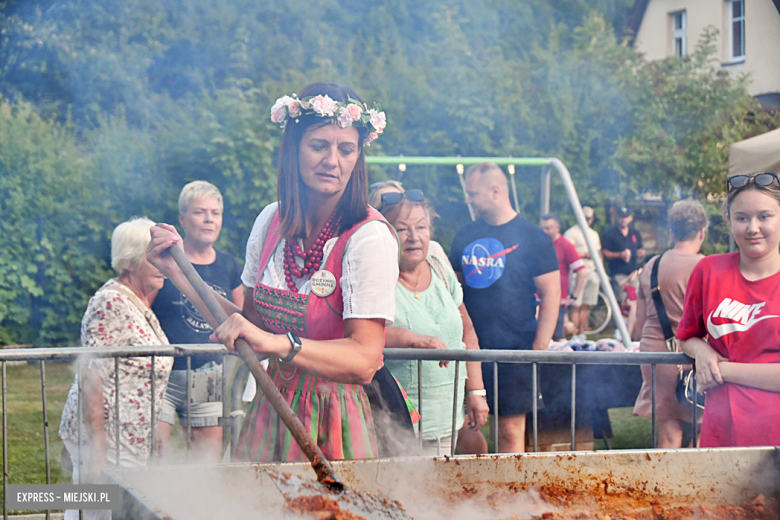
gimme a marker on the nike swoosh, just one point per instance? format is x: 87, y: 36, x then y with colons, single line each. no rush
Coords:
x: 494, y: 255
x: 717, y: 331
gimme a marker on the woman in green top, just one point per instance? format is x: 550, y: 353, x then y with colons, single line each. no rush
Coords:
x: 430, y: 314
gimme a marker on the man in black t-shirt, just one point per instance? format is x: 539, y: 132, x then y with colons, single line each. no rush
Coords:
x: 502, y: 260
x: 200, y: 216
x: 622, y: 248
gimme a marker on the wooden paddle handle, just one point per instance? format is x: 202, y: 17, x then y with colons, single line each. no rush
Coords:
x: 318, y: 461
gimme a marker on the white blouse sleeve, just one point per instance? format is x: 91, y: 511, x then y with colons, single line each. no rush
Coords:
x: 254, y: 246
x: 370, y: 273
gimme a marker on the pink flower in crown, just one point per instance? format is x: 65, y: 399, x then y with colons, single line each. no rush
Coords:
x: 279, y: 110
x: 373, y: 136
x: 293, y: 107
x: 323, y: 105
x: 344, y: 119
x: 354, y: 111
x: 378, y: 120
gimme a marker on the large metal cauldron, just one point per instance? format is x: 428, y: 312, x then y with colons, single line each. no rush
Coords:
x: 427, y: 487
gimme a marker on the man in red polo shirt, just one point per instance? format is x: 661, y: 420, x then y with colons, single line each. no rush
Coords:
x: 568, y: 261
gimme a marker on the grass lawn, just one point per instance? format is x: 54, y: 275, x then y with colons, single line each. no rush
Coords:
x: 629, y: 431
x: 26, y: 459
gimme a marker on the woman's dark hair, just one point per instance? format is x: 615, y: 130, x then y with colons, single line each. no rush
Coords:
x: 293, y: 196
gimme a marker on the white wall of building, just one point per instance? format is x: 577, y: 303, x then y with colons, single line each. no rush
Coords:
x: 655, y: 37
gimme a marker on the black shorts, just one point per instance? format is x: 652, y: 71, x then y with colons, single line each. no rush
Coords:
x: 515, y: 385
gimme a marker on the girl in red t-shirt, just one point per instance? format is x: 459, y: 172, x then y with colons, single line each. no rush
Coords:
x: 731, y: 321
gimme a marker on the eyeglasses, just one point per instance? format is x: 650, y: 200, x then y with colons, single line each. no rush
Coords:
x: 393, y: 198
x: 760, y: 179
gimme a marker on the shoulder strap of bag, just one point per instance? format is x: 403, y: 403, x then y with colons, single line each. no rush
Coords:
x: 439, y: 270
x: 663, y: 318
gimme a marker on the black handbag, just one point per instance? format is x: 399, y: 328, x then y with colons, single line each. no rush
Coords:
x: 684, y: 391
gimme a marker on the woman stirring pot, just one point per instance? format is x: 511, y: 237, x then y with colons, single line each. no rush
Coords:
x: 321, y: 269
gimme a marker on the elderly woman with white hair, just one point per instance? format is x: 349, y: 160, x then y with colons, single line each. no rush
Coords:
x: 118, y: 315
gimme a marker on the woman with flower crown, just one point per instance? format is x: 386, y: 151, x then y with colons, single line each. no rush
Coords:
x: 321, y: 269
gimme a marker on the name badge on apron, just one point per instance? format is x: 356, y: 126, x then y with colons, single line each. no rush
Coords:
x: 323, y: 283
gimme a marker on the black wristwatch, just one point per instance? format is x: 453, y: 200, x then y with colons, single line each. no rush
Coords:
x: 296, y: 346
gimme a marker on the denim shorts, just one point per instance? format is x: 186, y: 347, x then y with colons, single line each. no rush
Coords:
x: 206, y: 396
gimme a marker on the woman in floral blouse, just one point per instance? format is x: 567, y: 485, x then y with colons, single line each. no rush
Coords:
x: 119, y: 315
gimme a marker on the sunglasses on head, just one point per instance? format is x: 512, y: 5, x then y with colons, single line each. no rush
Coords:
x: 760, y: 179
x: 391, y: 199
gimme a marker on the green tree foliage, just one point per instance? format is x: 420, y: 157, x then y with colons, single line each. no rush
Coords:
x: 687, y: 111
x: 52, y: 233
x: 138, y: 97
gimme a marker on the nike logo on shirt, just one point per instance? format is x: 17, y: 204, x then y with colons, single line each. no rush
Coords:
x: 742, y: 316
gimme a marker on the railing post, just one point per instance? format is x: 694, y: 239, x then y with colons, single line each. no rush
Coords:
x: 694, y: 438
x: 419, y: 401
x: 80, y: 413
x: 455, y: 409
x: 5, y: 446
x: 151, y: 436
x: 495, y: 407
x: 225, y: 406
x: 189, y: 411
x: 45, y: 429
x: 535, y: 407
x: 652, y: 393
x: 573, y: 405
x: 116, y: 408
x: 236, y: 407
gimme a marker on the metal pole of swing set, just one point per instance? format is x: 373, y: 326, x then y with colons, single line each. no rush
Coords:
x: 548, y: 165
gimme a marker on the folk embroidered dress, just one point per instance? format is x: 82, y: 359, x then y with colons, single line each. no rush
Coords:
x: 363, y: 260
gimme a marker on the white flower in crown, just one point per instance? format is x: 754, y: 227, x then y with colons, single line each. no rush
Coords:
x: 344, y: 114
x: 279, y: 110
x: 377, y: 120
x: 323, y: 105
x: 344, y: 119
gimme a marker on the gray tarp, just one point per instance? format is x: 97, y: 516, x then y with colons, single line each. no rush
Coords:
x: 757, y: 154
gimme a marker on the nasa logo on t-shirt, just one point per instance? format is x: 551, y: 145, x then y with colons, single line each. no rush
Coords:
x: 190, y: 314
x: 484, y: 261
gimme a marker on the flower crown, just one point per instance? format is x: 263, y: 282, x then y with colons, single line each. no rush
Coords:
x: 347, y: 114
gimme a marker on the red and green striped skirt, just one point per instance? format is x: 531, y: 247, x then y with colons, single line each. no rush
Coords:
x: 337, y: 416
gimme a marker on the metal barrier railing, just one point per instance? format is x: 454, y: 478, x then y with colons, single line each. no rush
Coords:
x: 232, y: 407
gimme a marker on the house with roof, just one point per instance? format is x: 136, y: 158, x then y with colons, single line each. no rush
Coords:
x: 748, y: 39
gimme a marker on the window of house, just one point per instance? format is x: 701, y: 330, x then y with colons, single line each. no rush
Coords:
x: 678, y: 33
x: 737, y: 9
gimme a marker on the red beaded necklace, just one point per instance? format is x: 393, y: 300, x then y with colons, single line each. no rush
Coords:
x: 311, y: 258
